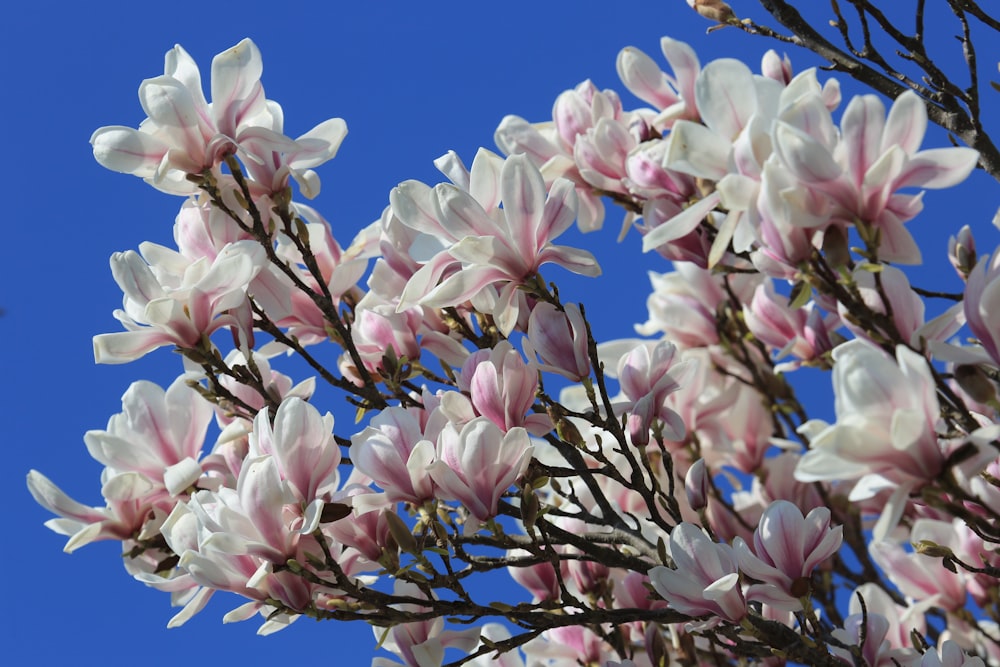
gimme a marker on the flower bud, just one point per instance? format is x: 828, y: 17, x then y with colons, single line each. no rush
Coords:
x: 974, y: 382
x: 696, y: 486
x: 835, y: 246
x: 962, y: 252
x: 776, y: 67
x: 713, y: 10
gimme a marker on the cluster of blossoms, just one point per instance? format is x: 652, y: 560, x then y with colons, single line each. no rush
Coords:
x: 673, y: 501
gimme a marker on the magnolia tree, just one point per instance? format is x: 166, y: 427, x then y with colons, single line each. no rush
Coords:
x: 657, y: 499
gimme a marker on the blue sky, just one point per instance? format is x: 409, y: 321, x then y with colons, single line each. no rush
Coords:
x: 412, y: 80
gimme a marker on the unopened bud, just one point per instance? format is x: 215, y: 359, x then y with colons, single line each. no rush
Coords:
x: 696, y: 486
x: 638, y: 429
x: 713, y: 10
x: 974, y: 382
x: 401, y: 533
x: 529, y: 507
x: 656, y: 646
x: 835, y: 247
x: 962, y: 252
x: 776, y: 67
x: 932, y: 549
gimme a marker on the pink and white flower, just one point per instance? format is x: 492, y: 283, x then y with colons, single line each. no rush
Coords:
x: 705, y: 580
x: 485, y: 250
x: 786, y: 549
x: 885, y: 436
x: 478, y: 463
x: 184, y: 134
x: 171, y: 300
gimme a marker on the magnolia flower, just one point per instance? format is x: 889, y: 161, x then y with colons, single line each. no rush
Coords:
x: 184, y: 134
x: 950, y: 654
x: 305, y: 452
x: 982, y: 293
x: 868, y: 631
x: 150, y: 450
x: 705, y: 581
x: 394, y: 453
x: 673, y: 96
x: 962, y: 252
x: 804, y: 332
x: 477, y: 464
x: 648, y: 374
x: 696, y: 485
x: 786, y: 549
x: 379, y: 329
x: 229, y: 540
x: 560, y: 339
x: 586, y: 142
x: 922, y: 578
x: 568, y: 645
x: 502, y: 388
x: 875, y: 157
x: 905, y: 306
x: 171, y: 300
x: 485, y: 250
x: 885, y: 435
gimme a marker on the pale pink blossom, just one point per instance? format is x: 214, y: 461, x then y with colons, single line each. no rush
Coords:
x: 920, y: 577
x: 696, y: 485
x: 776, y: 67
x: 478, y: 464
x: 229, y: 540
x: 803, y: 333
x: 903, y: 620
x: 394, y: 453
x: 905, y: 306
x: 885, y: 436
x: 982, y: 298
x: 732, y: 107
x: 648, y: 374
x: 787, y: 547
x: 295, y: 310
x: 366, y: 529
x: 868, y: 631
x: 201, y: 229
x: 159, y: 435
x: 150, y: 450
x: 560, y: 339
x: 380, y: 329
x: 568, y: 645
x: 949, y: 654
x: 962, y: 252
x: 502, y: 388
x: 184, y: 134
x: 303, y: 447
x: 489, y: 250
x: 171, y: 300
x: 551, y: 147
x: 673, y: 96
x: 541, y: 579
x: 875, y: 157
x: 683, y: 303
x: 119, y: 520
x: 705, y: 579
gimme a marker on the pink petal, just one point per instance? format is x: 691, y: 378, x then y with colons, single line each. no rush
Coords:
x: 862, y: 127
